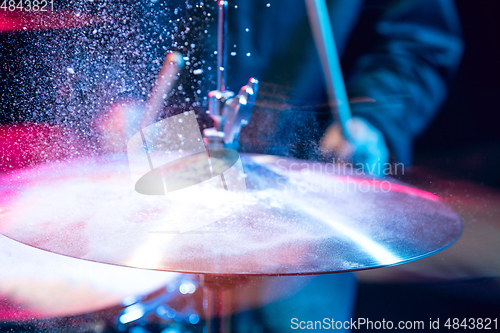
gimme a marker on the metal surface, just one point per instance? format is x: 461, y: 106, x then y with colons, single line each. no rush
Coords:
x: 229, y: 112
x: 297, y: 217
x: 237, y: 112
x: 36, y: 284
x: 222, y: 46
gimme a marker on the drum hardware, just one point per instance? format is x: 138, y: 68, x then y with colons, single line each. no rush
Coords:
x: 228, y: 111
x: 139, y: 311
x: 217, y: 300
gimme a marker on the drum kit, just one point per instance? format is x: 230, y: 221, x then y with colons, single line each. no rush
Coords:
x: 94, y: 241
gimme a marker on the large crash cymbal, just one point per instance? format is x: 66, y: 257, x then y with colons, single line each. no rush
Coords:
x: 295, y: 217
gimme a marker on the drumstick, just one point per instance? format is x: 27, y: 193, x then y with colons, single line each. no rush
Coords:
x: 325, y: 43
x: 168, y: 75
x: 164, y: 82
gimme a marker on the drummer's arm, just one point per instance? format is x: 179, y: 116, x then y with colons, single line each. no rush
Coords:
x: 408, y: 73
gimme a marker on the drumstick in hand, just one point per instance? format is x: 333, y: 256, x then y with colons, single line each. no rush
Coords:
x: 325, y: 43
x: 164, y: 83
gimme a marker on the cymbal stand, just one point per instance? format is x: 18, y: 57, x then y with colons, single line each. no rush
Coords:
x: 228, y: 111
x: 218, y: 299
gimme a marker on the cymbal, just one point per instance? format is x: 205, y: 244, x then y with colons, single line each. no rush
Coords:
x: 36, y: 284
x: 296, y: 217
x: 21, y: 21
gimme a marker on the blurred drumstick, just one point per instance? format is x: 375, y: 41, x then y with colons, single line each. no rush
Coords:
x: 125, y: 118
x: 325, y: 43
x: 168, y: 75
x: 164, y: 83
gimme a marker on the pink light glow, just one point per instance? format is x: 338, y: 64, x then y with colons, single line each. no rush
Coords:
x: 387, y: 186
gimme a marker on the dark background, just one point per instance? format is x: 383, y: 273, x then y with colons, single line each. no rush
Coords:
x: 465, y: 136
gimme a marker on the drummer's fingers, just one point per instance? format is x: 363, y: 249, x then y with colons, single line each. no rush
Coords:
x: 334, y: 143
x: 370, y: 152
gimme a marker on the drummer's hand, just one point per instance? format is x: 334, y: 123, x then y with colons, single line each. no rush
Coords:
x: 366, y: 146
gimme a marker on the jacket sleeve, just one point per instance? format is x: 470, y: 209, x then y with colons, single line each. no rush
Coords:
x: 408, y: 72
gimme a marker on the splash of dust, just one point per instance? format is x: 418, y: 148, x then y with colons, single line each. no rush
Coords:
x: 73, y: 76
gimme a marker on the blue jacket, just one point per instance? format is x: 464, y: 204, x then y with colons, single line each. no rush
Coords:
x: 411, y: 56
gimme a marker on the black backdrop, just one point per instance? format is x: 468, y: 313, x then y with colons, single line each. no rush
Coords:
x: 465, y: 136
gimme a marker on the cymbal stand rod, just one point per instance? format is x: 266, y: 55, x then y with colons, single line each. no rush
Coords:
x: 321, y: 27
x: 228, y: 111
x: 222, y: 46
x: 225, y: 311
x: 217, y: 300
x: 207, y: 304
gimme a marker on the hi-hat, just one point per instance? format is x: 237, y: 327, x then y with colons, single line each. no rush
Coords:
x: 296, y: 217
